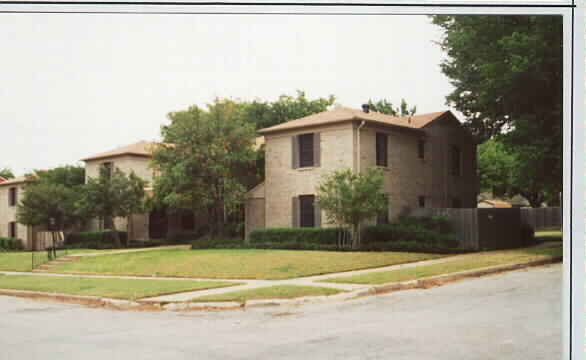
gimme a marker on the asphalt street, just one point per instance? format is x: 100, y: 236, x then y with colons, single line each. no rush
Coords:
x: 514, y: 315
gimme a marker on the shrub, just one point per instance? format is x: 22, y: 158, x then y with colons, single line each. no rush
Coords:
x: 94, y: 240
x: 315, y: 236
x: 208, y: 242
x: 527, y: 234
x: 10, y: 244
x: 411, y: 233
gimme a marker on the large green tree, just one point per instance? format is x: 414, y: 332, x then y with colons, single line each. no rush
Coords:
x: 204, y: 161
x: 51, y: 196
x: 349, y: 198
x: 268, y: 113
x: 111, y: 195
x: 386, y: 107
x: 6, y: 173
x: 507, y: 77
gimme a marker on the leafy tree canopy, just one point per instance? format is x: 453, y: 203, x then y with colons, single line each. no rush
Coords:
x: 204, y: 159
x: 386, y: 107
x: 6, y: 173
x: 51, y: 194
x: 507, y: 77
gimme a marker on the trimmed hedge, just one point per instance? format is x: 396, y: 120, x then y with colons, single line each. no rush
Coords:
x: 10, y: 244
x: 313, y: 236
x: 94, y: 240
x: 413, y: 233
x: 208, y: 242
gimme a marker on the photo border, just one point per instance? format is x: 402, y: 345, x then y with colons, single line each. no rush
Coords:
x: 574, y: 96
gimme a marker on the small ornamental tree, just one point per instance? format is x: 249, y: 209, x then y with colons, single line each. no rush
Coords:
x: 6, y: 173
x: 110, y: 196
x: 50, y: 197
x: 349, y: 199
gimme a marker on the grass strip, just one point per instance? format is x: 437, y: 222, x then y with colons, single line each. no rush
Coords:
x: 111, y: 288
x: 460, y: 263
x: 271, y: 292
x: 236, y: 263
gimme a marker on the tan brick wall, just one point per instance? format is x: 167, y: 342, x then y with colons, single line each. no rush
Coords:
x: 407, y: 177
x: 283, y: 182
x: 8, y: 214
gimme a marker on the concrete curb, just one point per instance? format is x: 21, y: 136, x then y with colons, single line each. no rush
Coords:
x: 439, y: 280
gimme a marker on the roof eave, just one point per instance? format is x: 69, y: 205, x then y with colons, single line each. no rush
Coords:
x: 93, y: 158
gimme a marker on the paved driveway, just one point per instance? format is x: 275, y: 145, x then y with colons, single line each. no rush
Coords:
x: 507, y: 316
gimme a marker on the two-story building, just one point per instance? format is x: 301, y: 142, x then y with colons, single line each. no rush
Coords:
x: 137, y: 158
x: 428, y: 160
x: 11, y: 191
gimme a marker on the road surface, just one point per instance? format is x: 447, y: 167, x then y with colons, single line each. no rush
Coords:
x: 515, y: 315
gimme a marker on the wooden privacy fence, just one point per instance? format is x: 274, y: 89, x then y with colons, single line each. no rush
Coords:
x: 542, y: 217
x: 483, y: 228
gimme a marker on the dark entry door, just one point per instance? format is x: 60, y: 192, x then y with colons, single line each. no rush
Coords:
x: 158, y: 224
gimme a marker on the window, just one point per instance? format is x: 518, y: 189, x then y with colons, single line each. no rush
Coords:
x: 456, y: 156
x: 381, y: 149
x: 12, y: 230
x: 306, y: 211
x: 306, y: 150
x: 107, y: 168
x: 456, y: 203
x: 12, y: 196
x: 384, y: 217
x: 422, y: 201
x: 421, y: 149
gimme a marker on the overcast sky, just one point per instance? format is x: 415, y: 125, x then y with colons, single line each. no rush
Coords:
x: 73, y: 85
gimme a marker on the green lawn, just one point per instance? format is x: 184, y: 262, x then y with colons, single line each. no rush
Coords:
x: 271, y: 292
x: 548, y: 234
x: 112, y: 288
x: 22, y: 260
x: 236, y: 263
x: 459, y: 263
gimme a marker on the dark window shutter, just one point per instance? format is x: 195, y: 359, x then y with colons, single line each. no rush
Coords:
x: 316, y: 150
x: 294, y: 152
x: 316, y: 212
x: 295, y: 211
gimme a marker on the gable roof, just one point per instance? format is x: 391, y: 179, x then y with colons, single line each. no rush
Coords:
x: 15, y: 181
x: 342, y: 114
x: 141, y: 148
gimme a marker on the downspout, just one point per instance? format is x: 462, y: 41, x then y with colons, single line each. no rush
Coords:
x: 358, y: 146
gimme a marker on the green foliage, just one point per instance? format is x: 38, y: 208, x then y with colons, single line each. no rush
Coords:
x: 386, y: 107
x: 491, y: 61
x: 305, y: 236
x: 52, y: 194
x: 349, y: 198
x: 118, y: 195
x: 6, y: 173
x: 412, y: 233
x: 221, y: 242
x: 10, y: 244
x: 265, y: 113
x: 94, y: 240
x: 203, y: 168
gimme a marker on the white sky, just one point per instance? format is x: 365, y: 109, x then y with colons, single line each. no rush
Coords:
x: 72, y: 85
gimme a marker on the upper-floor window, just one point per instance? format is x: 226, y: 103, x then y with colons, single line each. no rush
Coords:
x: 421, y: 149
x: 381, y: 149
x: 306, y: 150
x: 456, y: 155
x: 12, y: 196
x: 107, y: 168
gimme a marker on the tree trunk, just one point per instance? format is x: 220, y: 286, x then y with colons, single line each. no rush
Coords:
x: 109, y: 224
x: 355, y: 237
